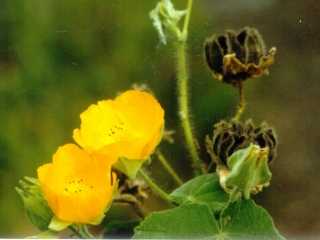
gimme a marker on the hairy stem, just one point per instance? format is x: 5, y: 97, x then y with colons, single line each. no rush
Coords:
x: 86, y: 232
x: 184, y: 114
x: 154, y: 187
x: 81, y: 231
x: 169, y: 169
x: 242, y: 104
x: 187, y: 19
x: 75, y: 231
x: 183, y: 78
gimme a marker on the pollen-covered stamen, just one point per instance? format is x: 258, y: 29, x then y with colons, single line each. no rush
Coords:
x: 77, y: 186
x: 116, y: 129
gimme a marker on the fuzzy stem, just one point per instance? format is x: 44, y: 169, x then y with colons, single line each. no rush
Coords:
x: 233, y: 196
x: 187, y: 19
x: 81, y: 231
x: 155, y: 188
x: 168, y: 167
x: 183, y: 77
x: 242, y: 104
x: 76, y: 232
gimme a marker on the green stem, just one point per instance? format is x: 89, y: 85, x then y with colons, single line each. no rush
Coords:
x: 187, y: 19
x: 75, y: 231
x: 81, y: 231
x: 85, y: 231
x: 233, y: 196
x: 168, y: 167
x: 183, y: 77
x: 242, y: 104
x: 155, y: 188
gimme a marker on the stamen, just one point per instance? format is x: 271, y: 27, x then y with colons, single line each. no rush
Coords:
x: 76, y: 186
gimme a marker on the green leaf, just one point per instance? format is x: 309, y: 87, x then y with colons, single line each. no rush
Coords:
x: 242, y: 220
x: 121, y: 218
x: 129, y: 167
x: 204, y: 189
x: 246, y: 220
x: 186, y: 221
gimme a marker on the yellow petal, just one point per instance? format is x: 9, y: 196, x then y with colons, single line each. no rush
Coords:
x: 142, y: 112
x: 101, y: 124
x: 128, y: 126
x: 77, y: 186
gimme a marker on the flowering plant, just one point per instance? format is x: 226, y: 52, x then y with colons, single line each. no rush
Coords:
x: 79, y: 189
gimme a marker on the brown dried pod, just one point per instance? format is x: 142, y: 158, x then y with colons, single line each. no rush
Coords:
x: 230, y: 136
x: 234, y: 57
x: 137, y: 188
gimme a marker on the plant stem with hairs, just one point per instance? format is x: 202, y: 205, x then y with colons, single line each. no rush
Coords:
x: 242, y: 103
x: 154, y: 187
x: 168, y: 167
x: 183, y: 98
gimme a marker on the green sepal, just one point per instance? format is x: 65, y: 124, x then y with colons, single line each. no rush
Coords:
x: 58, y: 225
x: 129, y: 167
x: 248, y: 171
x: 35, y: 205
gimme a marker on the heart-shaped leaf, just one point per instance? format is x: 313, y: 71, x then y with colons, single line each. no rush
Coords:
x: 246, y: 220
x: 204, y: 189
x: 187, y: 221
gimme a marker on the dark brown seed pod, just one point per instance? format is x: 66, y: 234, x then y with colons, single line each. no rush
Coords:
x: 136, y: 187
x: 234, y: 57
x: 230, y: 136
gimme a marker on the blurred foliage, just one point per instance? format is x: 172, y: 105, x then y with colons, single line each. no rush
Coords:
x: 57, y: 57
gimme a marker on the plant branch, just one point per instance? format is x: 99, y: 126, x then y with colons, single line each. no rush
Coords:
x: 168, y: 167
x: 187, y: 20
x: 183, y: 77
x: 84, y: 229
x: 242, y: 104
x: 155, y: 188
x: 81, y: 231
x: 183, y: 98
x: 75, y: 231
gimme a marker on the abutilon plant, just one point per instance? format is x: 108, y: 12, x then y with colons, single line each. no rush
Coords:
x: 117, y: 138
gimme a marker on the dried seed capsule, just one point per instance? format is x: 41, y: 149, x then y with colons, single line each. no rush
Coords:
x: 234, y: 57
x: 135, y: 187
x: 230, y: 136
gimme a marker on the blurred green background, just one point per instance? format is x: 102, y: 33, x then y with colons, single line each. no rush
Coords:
x: 57, y: 57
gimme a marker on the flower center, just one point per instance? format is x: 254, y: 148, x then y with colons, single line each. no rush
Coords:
x: 77, y: 186
x: 116, y: 129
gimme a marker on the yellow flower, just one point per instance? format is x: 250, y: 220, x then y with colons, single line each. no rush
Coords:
x: 77, y: 186
x: 130, y: 126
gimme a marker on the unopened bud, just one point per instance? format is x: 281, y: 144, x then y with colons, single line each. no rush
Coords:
x: 35, y: 205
